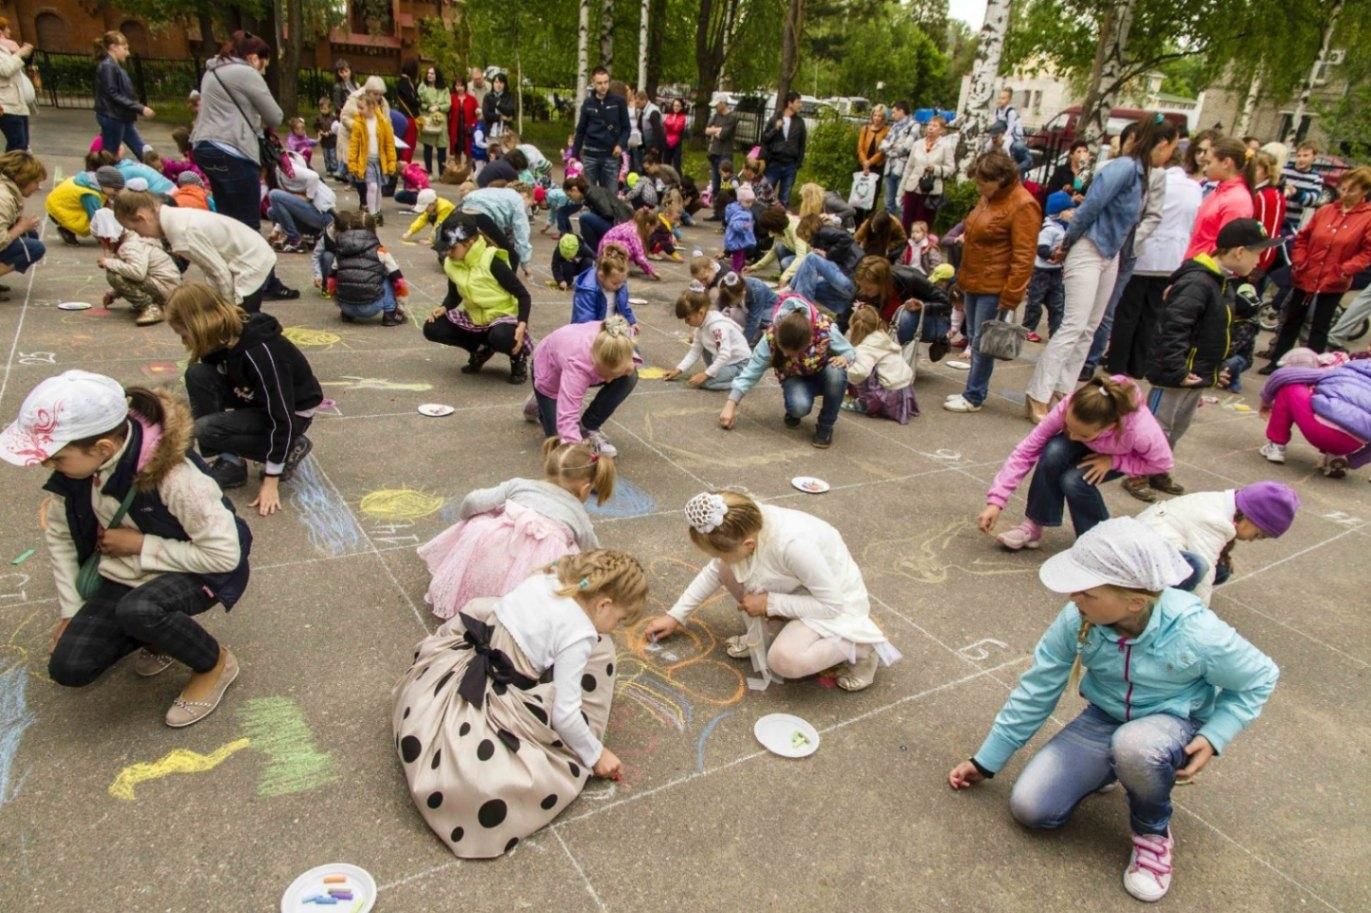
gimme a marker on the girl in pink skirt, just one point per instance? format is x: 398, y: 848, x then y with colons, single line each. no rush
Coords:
x: 508, y: 531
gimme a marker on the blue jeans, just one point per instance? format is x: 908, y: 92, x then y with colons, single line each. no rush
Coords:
x: 564, y: 217
x: 1092, y: 751
x: 115, y: 133
x: 1046, y: 289
x: 908, y: 324
x: 593, y: 228
x: 15, y: 127
x: 723, y: 380
x: 979, y: 309
x: 782, y: 177
x: 601, y: 168
x: 800, y: 390
x: 1198, y: 568
x: 892, y: 193
x: 609, y: 398
x: 385, y: 304
x: 1058, y: 478
x: 1101, y: 341
x: 235, y: 181
x: 406, y: 197
x: 331, y: 159
x: 23, y: 252
x: 822, y: 282
x: 761, y: 302
x: 293, y: 213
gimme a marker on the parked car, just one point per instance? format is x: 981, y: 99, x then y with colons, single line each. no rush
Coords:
x: 1060, y: 131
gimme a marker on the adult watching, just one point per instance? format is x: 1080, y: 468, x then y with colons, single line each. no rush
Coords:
x: 601, y: 133
x: 783, y: 144
x: 722, y: 125
x: 117, y: 108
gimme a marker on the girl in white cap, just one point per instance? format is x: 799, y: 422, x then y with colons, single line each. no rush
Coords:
x: 1168, y: 685
x: 790, y: 566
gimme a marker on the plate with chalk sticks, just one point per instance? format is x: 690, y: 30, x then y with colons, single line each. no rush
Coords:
x: 436, y: 410
x: 74, y: 306
x: 786, y: 735
x: 338, y: 886
x: 810, y: 484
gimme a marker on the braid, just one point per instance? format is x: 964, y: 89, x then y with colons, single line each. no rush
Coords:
x: 1077, y: 668
x: 604, y: 572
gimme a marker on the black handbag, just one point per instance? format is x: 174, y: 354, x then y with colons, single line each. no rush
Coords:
x: 927, y: 181
x: 269, y: 147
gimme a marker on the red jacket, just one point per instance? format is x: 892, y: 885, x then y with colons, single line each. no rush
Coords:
x: 1268, y: 205
x: 1332, y: 248
x: 1230, y: 200
x: 461, y: 121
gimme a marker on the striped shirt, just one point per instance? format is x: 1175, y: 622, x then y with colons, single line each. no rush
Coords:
x: 1308, y: 189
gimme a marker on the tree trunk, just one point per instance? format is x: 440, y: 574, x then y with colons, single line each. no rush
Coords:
x: 1307, y: 90
x: 1108, y: 80
x: 792, y: 28
x: 208, y: 47
x: 607, y: 36
x: 642, y: 45
x: 582, y: 52
x: 656, y: 38
x: 290, y: 59
x: 1249, y: 106
x: 271, y: 25
x: 990, y: 47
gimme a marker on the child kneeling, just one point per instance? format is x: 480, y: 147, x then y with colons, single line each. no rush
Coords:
x: 364, y: 278
x: 882, y: 382
x: 1149, y: 721
x: 139, y: 271
x: 500, y: 720
x: 718, y: 341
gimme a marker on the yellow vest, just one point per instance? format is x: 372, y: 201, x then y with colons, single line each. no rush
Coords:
x: 64, y: 205
x: 483, y: 297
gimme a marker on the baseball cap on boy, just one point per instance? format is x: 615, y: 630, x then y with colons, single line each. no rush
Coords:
x: 1058, y: 202
x: 425, y: 199
x: 1246, y: 233
x: 72, y: 406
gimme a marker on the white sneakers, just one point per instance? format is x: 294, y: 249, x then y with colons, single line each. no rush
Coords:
x: 1148, y: 876
x: 958, y: 403
x: 602, y: 446
x: 1273, y: 452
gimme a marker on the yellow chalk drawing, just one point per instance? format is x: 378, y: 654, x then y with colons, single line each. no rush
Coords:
x: 927, y: 559
x: 352, y: 382
x: 724, y: 456
x: 651, y: 373
x: 180, y: 761
x: 311, y: 338
x: 400, y: 504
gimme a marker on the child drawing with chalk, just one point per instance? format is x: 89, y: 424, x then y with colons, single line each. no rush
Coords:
x: 138, y: 270
x: 507, y: 531
x: 141, y: 538
x: 791, y: 573
x: 501, y: 719
x: 251, y: 391
x: 718, y: 341
x: 1168, y: 685
x: 569, y: 362
x: 881, y: 376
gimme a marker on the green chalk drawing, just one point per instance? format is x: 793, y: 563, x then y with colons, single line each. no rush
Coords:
x: 276, y: 726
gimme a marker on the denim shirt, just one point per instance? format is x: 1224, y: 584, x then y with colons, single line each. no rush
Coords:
x: 1111, y: 208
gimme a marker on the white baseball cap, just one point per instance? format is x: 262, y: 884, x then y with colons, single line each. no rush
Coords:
x: 69, y: 407
x: 425, y: 199
x: 1122, y: 552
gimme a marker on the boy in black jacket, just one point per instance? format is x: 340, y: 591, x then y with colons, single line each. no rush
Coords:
x: 1194, y: 337
x: 570, y: 258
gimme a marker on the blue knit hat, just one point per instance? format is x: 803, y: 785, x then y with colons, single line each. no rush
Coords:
x: 1058, y: 202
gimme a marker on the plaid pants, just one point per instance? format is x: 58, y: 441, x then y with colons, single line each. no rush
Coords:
x: 119, y: 619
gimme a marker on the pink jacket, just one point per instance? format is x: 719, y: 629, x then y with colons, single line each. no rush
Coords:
x: 1138, y: 449
x: 564, y: 371
x: 1230, y: 200
x: 626, y: 234
x: 415, y: 177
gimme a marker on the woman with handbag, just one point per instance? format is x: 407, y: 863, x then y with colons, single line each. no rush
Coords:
x: 932, y: 158
x: 434, y: 104
x: 999, y: 242
x: 407, y: 103
x: 498, y: 107
x: 871, y: 156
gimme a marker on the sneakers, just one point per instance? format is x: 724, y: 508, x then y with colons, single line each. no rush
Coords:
x: 959, y: 403
x: 1274, y: 453
x: 478, y: 359
x: 1138, y: 487
x: 298, y: 451
x: 823, y: 438
x: 380, y: 219
x: 184, y: 713
x: 1163, y: 482
x: 393, y: 318
x: 531, y: 409
x: 148, y: 663
x: 601, y: 444
x: 938, y: 348
x: 1267, y: 369
x: 229, y: 474
x: 68, y: 236
x: 1148, y: 876
x: 1333, y: 467
x: 1021, y: 537
x: 281, y: 292
x: 148, y: 316
x: 518, y: 369
x: 1033, y: 337
x: 736, y: 646
x: 859, y: 675
x: 792, y: 421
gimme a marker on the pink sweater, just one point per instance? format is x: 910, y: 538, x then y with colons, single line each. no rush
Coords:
x: 626, y: 234
x: 1230, y: 200
x: 1138, y: 449
x: 564, y: 371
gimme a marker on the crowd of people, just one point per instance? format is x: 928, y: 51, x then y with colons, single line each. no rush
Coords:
x: 502, y: 715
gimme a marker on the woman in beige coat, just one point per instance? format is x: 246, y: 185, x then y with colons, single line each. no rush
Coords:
x: 933, y: 153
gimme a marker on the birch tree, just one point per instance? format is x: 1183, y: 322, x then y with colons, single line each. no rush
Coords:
x: 582, y: 52
x: 973, y: 118
x: 1249, y: 105
x: 607, y: 36
x: 1108, y: 71
x: 642, y: 45
x: 716, y: 32
x: 792, y: 28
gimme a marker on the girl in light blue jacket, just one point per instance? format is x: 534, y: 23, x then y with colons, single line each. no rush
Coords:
x: 1168, y: 684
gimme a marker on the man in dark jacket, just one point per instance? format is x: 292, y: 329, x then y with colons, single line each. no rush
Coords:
x: 783, y: 144
x: 722, y: 125
x: 602, y: 209
x: 601, y: 132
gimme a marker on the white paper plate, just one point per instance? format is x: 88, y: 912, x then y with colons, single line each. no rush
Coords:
x: 75, y: 306
x: 786, y: 735
x: 637, y: 302
x: 436, y: 410
x: 311, y: 884
x: 958, y: 365
x: 810, y: 485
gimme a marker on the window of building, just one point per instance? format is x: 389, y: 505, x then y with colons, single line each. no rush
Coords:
x: 52, y: 32
x: 137, y: 34
x: 1302, y: 131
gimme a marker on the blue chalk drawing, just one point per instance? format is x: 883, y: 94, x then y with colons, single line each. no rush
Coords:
x: 15, y: 717
x: 332, y: 527
x: 629, y: 501
x: 704, y: 736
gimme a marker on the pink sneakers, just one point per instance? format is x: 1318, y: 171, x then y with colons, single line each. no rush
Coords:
x: 1148, y: 876
x: 1026, y: 535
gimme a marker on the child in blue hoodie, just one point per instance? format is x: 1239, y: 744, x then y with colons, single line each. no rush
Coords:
x: 602, y: 290
x: 1168, y: 684
x: 1046, y: 288
x: 740, y: 234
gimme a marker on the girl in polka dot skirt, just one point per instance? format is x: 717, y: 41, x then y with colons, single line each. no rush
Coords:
x: 499, y: 722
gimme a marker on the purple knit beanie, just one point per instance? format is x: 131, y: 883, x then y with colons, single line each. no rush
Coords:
x: 1270, y: 505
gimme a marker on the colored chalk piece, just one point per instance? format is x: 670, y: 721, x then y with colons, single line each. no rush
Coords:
x: 335, y: 879
x: 25, y: 555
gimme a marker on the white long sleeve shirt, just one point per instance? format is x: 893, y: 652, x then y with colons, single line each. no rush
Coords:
x: 554, y: 631
x: 1201, y: 523
x: 722, y: 339
x: 236, y: 260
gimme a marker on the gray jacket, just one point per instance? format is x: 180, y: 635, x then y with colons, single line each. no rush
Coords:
x: 723, y: 143
x: 548, y: 499
x: 229, y: 80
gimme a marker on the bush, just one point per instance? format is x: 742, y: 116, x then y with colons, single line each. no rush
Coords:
x: 830, y: 155
x: 957, y: 202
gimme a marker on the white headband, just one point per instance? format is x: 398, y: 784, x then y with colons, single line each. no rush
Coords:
x: 705, y: 512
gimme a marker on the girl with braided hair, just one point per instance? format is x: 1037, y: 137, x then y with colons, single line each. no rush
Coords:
x: 500, y: 720
x: 791, y: 572
x: 507, y: 531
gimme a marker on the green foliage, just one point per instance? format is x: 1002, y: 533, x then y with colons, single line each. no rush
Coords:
x: 830, y: 154
x: 891, y: 50
x: 1187, y: 76
x: 957, y: 202
x: 443, y: 46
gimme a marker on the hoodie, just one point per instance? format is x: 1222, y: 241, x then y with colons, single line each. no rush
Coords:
x: 266, y: 371
x: 881, y: 355
x: 1194, y: 331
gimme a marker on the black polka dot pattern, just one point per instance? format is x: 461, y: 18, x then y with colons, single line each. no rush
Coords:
x: 410, y: 748
x: 538, y: 712
x: 588, y: 682
x: 510, y: 740
x: 486, y: 750
x: 466, y: 727
x: 514, y: 841
x: 548, y: 803
x: 437, y: 759
x: 447, y: 676
x: 492, y: 813
x: 457, y: 834
x: 575, y: 769
x: 609, y: 669
x: 406, y: 716
x: 435, y: 800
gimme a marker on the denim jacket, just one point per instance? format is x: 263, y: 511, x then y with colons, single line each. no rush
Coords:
x: 1112, y: 206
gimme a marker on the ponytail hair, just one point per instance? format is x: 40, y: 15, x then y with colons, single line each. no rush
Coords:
x: 1078, y: 667
x: 142, y: 401
x: 1103, y: 402
x: 1236, y: 151
x: 603, y: 572
x: 578, y: 463
x: 107, y: 41
x: 613, y: 345
x: 793, y: 332
x: 865, y: 320
x: 613, y: 260
x: 644, y: 218
x: 693, y: 300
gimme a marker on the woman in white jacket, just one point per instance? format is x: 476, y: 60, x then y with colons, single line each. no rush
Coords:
x: 788, y: 565
x: 933, y: 154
